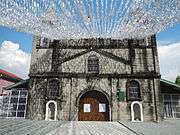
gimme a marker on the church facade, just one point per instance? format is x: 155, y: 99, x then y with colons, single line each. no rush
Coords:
x: 95, y: 80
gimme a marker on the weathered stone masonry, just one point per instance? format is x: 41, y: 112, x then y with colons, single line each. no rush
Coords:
x: 119, y: 63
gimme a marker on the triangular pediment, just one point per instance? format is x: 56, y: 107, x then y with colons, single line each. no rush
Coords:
x: 116, y: 54
x: 107, y: 64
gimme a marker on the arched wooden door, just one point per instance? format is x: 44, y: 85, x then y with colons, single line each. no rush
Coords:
x: 93, y: 106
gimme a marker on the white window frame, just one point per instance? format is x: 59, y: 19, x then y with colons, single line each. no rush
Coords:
x: 47, y: 110
x: 10, y: 96
x: 132, y: 111
x: 172, y: 107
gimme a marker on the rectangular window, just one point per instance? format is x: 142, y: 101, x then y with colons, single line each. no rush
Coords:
x: 23, y: 94
x: 171, y: 106
x: 12, y: 114
x: 102, y: 107
x: 87, y: 107
x: 44, y: 42
x: 15, y: 93
x: 22, y: 100
x: 14, y: 100
x: 20, y: 114
x: 14, y: 105
x: 93, y: 64
x: 21, y: 107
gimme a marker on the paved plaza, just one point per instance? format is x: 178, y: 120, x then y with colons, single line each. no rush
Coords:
x: 28, y: 127
x: 167, y: 127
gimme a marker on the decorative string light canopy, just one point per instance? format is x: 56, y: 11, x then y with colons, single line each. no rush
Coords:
x: 59, y: 19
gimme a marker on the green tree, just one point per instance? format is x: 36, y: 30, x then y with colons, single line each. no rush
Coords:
x: 177, y: 80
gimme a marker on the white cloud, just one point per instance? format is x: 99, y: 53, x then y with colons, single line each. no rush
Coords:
x: 14, y: 60
x: 169, y: 57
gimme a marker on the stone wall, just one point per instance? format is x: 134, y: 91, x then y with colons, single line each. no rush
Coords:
x: 41, y: 59
x: 72, y: 89
x: 53, y: 63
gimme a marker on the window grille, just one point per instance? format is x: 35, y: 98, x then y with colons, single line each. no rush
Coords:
x: 53, y: 88
x: 93, y: 64
x: 171, y: 106
x: 14, y: 104
x: 133, y: 90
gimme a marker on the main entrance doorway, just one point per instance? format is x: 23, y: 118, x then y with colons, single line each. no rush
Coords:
x: 93, y: 106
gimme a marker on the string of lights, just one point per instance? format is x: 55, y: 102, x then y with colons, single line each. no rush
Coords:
x: 61, y: 19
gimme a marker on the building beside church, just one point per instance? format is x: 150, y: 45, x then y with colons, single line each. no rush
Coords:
x: 95, y: 79
x: 171, y: 99
x: 6, y: 79
x: 13, y: 99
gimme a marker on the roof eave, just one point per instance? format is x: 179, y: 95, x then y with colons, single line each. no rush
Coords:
x: 166, y: 82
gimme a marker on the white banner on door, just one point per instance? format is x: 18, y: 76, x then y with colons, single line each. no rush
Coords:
x: 102, y: 107
x: 87, y: 107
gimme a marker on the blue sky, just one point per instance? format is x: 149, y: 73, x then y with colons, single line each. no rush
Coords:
x: 24, y: 39
x: 171, y: 35
x: 15, y: 51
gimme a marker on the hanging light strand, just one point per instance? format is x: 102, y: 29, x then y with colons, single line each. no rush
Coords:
x: 90, y: 18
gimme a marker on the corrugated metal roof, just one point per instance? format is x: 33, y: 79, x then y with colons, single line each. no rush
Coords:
x: 3, y: 72
x: 19, y: 84
x: 170, y: 83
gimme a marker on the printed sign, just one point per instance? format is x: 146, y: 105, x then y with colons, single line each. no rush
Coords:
x: 87, y: 107
x: 102, y: 107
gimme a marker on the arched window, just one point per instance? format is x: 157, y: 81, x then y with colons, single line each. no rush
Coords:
x: 51, y: 110
x: 133, y: 90
x: 93, y: 64
x: 136, y: 112
x: 53, y: 88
